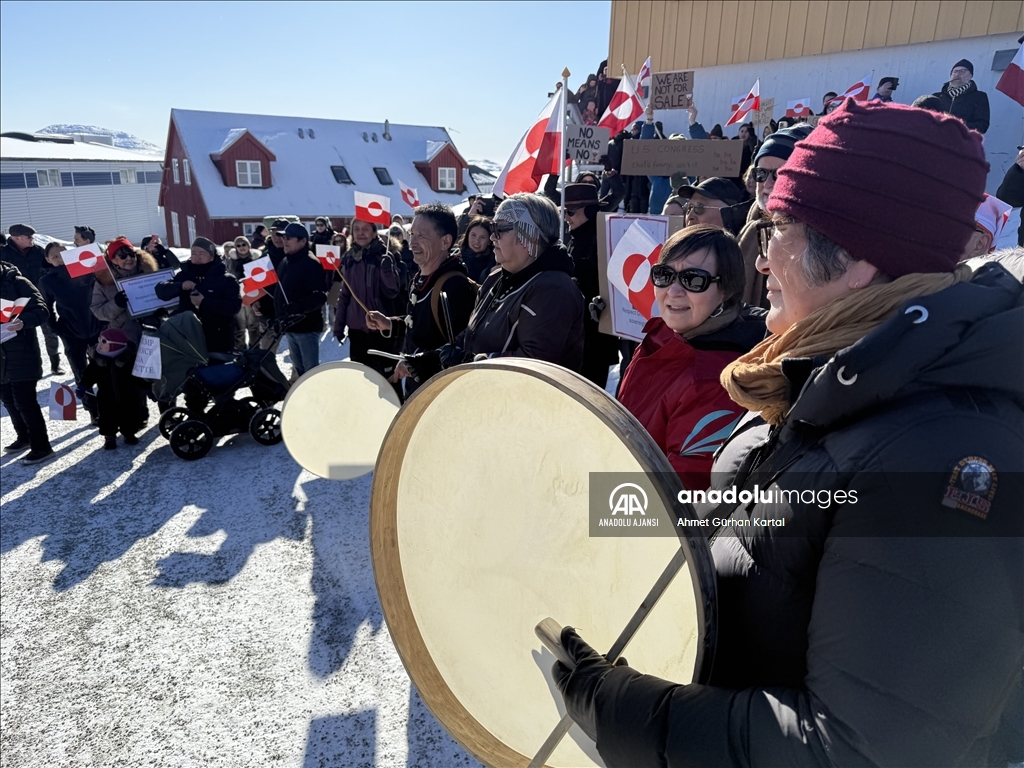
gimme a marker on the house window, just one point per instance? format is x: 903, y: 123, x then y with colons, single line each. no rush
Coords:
x: 174, y: 169
x: 48, y: 178
x: 129, y: 176
x: 188, y: 173
x: 249, y: 173
x: 249, y: 228
x: 446, y: 179
x: 341, y: 174
x: 383, y: 176
x: 191, y: 228
x: 175, y: 232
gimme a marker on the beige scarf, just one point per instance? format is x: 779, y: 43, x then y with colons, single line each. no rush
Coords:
x: 755, y: 380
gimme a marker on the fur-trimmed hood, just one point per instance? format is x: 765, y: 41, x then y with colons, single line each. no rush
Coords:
x: 146, y: 264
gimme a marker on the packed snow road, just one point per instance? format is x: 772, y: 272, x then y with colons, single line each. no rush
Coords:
x: 158, y: 612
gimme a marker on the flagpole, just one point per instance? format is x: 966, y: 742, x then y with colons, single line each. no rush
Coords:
x: 563, y: 105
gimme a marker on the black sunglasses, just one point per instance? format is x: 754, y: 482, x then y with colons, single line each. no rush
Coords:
x: 501, y: 229
x: 761, y: 174
x: 692, y: 280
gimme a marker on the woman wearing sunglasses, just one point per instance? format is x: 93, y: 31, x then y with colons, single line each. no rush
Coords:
x: 871, y: 614
x: 672, y: 386
x: 109, y: 303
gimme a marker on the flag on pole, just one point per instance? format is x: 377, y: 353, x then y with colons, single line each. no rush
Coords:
x: 736, y: 101
x: 798, y: 108
x: 624, y: 109
x: 251, y: 293
x: 259, y: 273
x: 373, y: 209
x: 409, y: 195
x: 629, y: 269
x: 62, y: 403
x: 329, y: 256
x: 643, y: 80
x: 1012, y: 80
x: 859, y: 91
x: 749, y: 103
x: 11, y: 309
x: 537, y: 152
x: 84, y: 261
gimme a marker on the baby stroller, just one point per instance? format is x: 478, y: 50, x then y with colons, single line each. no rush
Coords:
x: 215, y: 378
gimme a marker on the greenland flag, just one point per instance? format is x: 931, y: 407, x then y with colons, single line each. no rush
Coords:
x: 260, y: 273
x: 624, y: 109
x: 11, y: 309
x: 537, y: 152
x: 409, y: 195
x: 329, y: 256
x: 251, y: 292
x: 1012, y: 81
x: 643, y: 80
x: 62, y: 403
x: 629, y: 269
x: 859, y: 91
x: 84, y: 261
x: 749, y: 103
x: 798, y: 108
x: 373, y: 209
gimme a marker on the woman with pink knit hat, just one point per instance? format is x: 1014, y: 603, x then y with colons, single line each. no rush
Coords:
x: 869, y: 592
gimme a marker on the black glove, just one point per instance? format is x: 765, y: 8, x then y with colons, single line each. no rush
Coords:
x: 424, y: 365
x: 121, y: 299
x: 596, y: 307
x: 579, y: 686
x: 451, y: 355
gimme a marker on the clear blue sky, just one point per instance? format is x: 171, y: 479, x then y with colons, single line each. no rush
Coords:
x: 482, y: 69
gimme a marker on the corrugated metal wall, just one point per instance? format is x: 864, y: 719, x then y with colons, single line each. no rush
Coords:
x: 694, y: 33
x: 97, y: 199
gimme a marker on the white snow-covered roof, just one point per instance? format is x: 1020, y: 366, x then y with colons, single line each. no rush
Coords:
x: 19, y: 149
x: 433, y: 148
x: 233, y: 135
x: 301, y: 178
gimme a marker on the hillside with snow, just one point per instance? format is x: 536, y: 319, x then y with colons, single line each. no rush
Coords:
x: 121, y: 139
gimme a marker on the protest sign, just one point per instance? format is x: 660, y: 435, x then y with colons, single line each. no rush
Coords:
x: 147, y: 361
x: 141, y: 292
x: 763, y: 116
x: 672, y: 90
x: 705, y: 157
x: 585, y: 144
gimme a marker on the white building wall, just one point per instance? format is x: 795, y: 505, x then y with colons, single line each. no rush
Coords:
x: 111, y: 210
x: 922, y: 68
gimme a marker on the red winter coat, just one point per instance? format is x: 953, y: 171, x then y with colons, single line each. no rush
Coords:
x: 672, y: 388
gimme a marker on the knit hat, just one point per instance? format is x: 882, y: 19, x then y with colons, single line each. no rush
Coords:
x: 780, y: 144
x: 116, y: 339
x: 117, y: 245
x: 207, y: 245
x: 893, y: 185
x: 965, y: 64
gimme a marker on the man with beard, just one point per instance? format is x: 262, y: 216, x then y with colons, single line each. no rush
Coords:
x: 961, y: 98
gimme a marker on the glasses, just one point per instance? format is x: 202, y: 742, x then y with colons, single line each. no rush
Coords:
x: 571, y: 211
x: 765, y: 229
x: 501, y: 229
x: 124, y: 255
x: 692, y: 280
x: 761, y: 174
x: 697, y: 209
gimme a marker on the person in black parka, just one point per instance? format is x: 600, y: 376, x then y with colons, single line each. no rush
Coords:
x: 877, y: 616
x: 21, y: 365
x: 117, y: 390
x: 1011, y: 191
x: 961, y: 98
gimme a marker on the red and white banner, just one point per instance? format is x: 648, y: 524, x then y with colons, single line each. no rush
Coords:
x: 251, y: 292
x: 1012, y: 80
x: 799, y: 108
x: 62, y: 403
x: 537, y: 152
x: 329, y: 256
x: 624, y: 109
x: 11, y: 309
x: 643, y: 80
x: 84, y: 261
x: 859, y: 91
x: 749, y: 103
x: 409, y: 195
x: 374, y: 209
x: 260, y: 272
x: 629, y: 268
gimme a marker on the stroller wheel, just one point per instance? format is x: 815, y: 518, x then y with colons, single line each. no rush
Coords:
x: 191, y: 440
x: 171, y: 418
x: 265, y: 426
x: 251, y: 405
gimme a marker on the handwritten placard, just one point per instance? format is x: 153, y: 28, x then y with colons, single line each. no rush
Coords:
x: 672, y: 90
x: 705, y: 157
x: 141, y: 292
x: 763, y: 116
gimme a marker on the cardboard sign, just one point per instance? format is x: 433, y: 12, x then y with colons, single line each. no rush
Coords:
x: 141, y: 292
x: 763, y: 116
x: 585, y: 144
x: 620, y: 318
x: 704, y: 157
x: 672, y: 90
x: 147, y: 361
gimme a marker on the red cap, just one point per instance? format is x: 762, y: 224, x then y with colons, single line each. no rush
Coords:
x: 117, y: 245
x: 895, y: 186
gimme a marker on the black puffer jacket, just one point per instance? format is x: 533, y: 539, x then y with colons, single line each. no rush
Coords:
x: 970, y: 106
x: 1011, y: 192
x: 300, y: 290
x: 537, y: 312
x: 889, y: 631
x: 30, y: 263
x: 19, y: 357
x: 221, y: 301
x: 72, y: 297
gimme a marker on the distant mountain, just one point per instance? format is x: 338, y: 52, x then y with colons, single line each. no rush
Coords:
x: 121, y: 139
x: 490, y: 166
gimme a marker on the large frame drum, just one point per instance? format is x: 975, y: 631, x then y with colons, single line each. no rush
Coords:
x: 479, y: 526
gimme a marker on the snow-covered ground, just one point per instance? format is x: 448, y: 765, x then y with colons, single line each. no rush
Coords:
x: 157, y: 612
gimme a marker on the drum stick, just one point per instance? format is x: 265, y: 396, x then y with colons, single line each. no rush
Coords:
x: 550, y: 633
x: 677, y: 562
x: 447, y: 317
x: 388, y: 355
x: 341, y: 274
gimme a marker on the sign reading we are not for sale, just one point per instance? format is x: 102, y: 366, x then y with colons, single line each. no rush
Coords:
x: 672, y: 90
